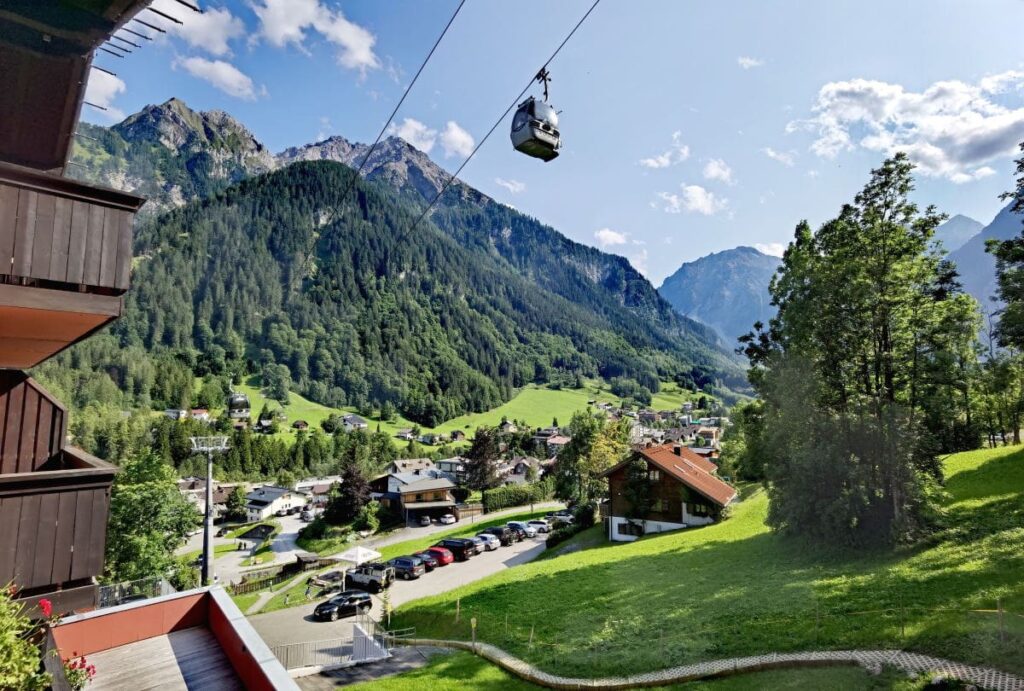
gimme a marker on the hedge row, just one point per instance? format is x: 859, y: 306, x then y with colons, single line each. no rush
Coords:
x: 516, y: 495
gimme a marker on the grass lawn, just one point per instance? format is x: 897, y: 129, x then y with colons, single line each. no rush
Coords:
x: 246, y: 600
x: 736, y: 589
x: 465, y: 672
x: 538, y: 406
x: 335, y: 541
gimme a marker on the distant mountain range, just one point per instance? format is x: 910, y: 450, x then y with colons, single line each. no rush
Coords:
x: 479, y: 301
x: 977, y: 267
x: 726, y: 290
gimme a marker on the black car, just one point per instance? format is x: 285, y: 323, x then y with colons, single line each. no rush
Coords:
x: 345, y: 603
x: 428, y: 559
x: 461, y: 549
x: 408, y: 567
x: 502, y: 533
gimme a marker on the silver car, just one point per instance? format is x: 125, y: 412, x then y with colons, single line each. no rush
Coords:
x: 525, y: 527
x: 491, y: 542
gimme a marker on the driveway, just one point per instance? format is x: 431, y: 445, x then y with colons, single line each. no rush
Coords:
x: 296, y: 624
x: 415, y: 530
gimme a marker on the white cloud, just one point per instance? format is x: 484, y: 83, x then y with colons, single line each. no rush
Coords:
x: 639, y: 261
x: 284, y: 22
x: 677, y: 154
x: 950, y: 129
x: 717, y: 169
x: 211, y: 31
x: 456, y: 141
x: 102, y: 89
x: 513, y: 186
x: 783, y: 157
x: 606, y: 237
x: 223, y: 76
x: 748, y: 63
x: 775, y: 249
x: 693, y: 198
x: 416, y: 133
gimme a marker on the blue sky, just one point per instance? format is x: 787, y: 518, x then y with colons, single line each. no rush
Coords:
x: 688, y: 127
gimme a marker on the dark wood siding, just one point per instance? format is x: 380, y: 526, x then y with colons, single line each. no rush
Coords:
x: 31, y: 424
x: 64, y: 232
x: 55, y: 523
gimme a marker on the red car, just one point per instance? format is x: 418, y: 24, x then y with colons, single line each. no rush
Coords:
x: 443, y: 556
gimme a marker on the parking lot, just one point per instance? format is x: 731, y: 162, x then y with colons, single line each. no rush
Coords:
x: 296, y: 624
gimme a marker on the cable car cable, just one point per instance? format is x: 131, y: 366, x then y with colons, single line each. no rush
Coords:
x: 543, y: 70
x: 380, y: 135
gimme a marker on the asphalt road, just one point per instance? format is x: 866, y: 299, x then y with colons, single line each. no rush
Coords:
x: 296, y: 624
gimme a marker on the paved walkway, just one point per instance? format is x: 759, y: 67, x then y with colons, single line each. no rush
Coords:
x: 872, y: 660
x: 402, y: 660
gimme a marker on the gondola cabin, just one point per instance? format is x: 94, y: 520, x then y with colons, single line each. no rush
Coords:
x: 238, y: 406
x: 535, y: 130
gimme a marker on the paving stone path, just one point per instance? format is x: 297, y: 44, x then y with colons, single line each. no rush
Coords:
x: 871, y: 660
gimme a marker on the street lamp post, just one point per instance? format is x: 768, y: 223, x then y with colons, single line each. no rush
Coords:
x: 209, y: 446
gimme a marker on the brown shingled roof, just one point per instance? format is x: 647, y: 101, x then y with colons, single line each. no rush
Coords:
x: 689, y: 468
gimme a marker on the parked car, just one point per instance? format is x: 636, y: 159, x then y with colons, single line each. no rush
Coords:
x: 491, y: 542
x: 407, y: 568
x: 446, y: 519
x: 540, y: 525
x: 555, y: 514
x: 327, y: 582
x: 307, y: 516
x: 526, y: 528
x: 443, y: 555
x: 424, y: 520
x: 429, y: 560
x: 345, y: 603
x: 294, y: 510
x: 281, y: 513
x: 518, y: 534
x: 562, y: 520
x: 370, y: 577
x: 503, y: 533
x: 479, y: 544
x: 460, y: 549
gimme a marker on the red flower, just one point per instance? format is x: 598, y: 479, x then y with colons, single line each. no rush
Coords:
x: 46, y: 606
x: 91, y: 669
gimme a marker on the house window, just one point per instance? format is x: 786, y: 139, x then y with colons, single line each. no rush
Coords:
x: 653, y: 474
x: 701, y: 510
x: 628, y: 528
x: 659, y: 505
x: 419, y: 497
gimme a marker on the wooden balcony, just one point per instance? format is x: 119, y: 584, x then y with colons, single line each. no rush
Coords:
x: 53, y: 500
x: 65, y: 260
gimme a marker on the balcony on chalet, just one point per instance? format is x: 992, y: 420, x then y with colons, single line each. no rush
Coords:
x: 65, y: 258
x: 53, y: 501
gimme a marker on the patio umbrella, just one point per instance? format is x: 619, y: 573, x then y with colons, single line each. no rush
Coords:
x: 356, y: 555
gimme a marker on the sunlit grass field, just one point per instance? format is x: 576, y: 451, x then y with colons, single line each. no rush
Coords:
x: 736, y: 588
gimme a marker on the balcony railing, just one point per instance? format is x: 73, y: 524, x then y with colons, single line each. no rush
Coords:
x: 65, y: 260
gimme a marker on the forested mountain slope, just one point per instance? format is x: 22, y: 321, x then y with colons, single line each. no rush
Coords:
x: 417, y: 319
x: 440, y: 320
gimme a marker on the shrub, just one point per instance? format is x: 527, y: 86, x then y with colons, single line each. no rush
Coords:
x: 19, y: 656
x: 585, y: 515
x: 316, y: 530
x: 561, y: 534
x: 461, y: 494
x: 367, y: 518
x: 516, y: 495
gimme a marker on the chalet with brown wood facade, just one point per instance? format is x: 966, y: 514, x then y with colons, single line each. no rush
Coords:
x: 685, y: 491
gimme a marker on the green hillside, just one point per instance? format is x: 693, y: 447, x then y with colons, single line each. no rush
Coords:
x: 736, y: 589
x: 535, y: 405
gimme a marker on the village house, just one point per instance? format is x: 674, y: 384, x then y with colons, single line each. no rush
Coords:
x: 414, y: 494
x: 263, y: 502
x: 176, y: 413
x: 556, y: 443
x: 453, y: 468
x: 405, y: 434
x: 353, y: 422
x: 458, y: 435
x: 410, y: 465
x: 200, y: 414
x: 685, y: 491
x: 508, y: 427
x: 300, y: 425
x: 317, y: 489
